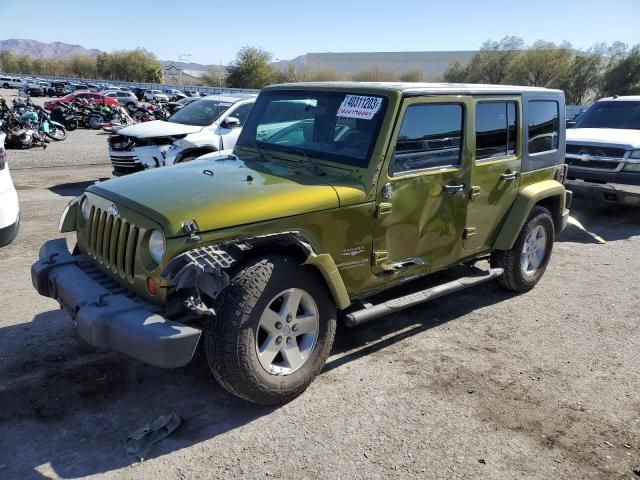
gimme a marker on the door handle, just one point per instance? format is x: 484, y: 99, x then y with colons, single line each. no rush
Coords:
x: 453, y: 188
x: 507, y: 177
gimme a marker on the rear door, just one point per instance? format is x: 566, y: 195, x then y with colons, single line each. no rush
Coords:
x: 423, y: 195
x: 495, y: 177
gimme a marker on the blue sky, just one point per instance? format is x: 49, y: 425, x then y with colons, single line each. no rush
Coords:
x: 213, y: 31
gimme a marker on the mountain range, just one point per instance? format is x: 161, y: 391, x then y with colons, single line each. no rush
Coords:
x: 37, y: 49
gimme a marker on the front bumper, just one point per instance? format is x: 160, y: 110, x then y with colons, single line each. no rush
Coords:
x: 8, y: 234
x: 612, y: 187
x: 109, y: 316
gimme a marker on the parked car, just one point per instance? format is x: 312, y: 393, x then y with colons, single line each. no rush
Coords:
x: 155, y: 96
x: 126, y: 99
x: 9, y: 207
x: 603, y: 151
x: 12, y: 82
x: 173, y: 107
x: 173, y: 94
x: 139, y: 92
x: 192, y: 93
x: 210, y: 124
x: 34, y: 90
x: 92, y: 97
x: 335, y: 193
x: 57, y: 89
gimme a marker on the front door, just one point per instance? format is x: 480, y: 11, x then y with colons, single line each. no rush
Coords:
x: 496, y: 169
x: 229, y: 136
x: 423, y: 194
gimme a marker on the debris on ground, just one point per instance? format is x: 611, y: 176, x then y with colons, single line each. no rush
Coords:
x: 140, y: 442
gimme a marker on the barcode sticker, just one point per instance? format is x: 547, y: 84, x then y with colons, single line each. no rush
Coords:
x: 356, y: 106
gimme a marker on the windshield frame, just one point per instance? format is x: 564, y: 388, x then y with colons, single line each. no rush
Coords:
x: 607, y: 103
x: 340, y: 160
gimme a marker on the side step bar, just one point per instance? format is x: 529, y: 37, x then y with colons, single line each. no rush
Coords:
x: 390, y: 306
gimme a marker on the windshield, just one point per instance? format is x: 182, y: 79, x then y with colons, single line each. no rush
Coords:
x: 617, y: 114
x: 336, y: 126
x: 200, y: 113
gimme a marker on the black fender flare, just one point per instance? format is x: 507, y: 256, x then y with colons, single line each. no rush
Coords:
x: 205, y: 271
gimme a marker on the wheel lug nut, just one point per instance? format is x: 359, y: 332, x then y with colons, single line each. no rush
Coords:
x: 295, y: 328
x: 289, y: 341
x: 278, y: 340
x: 278, y: 325
x: 289, y: 318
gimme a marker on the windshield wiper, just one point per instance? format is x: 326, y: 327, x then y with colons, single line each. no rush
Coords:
x: 311, y: 161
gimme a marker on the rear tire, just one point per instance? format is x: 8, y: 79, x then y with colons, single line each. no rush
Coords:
x: 238, y: 345
x: 527, y: 260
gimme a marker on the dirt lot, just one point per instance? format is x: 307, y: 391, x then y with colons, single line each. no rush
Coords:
x: 481, y: 384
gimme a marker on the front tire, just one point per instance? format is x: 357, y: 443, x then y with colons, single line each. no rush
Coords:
x: 527, y: 260
x: 273, y: 331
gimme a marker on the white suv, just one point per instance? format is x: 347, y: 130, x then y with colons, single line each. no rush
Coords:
x: 155, y: 96
x: 9, y: 208
x: 211, y: 124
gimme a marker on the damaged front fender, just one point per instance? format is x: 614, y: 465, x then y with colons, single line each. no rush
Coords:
x: 204, y: 271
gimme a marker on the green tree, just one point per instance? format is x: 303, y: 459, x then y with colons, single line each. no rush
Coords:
x: 543, y: 64
x: 214, y: 77
x: 622, y: 75
x: 412, y: 75
x: 583, y: 78
x: 251, y: 69
x: 374, y: 74
x: 456, y: 73
x: 7, y: 62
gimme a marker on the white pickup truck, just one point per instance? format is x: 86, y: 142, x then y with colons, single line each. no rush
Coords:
x: 12, y: 82
x: 9, y: 208
x: 603, y: 151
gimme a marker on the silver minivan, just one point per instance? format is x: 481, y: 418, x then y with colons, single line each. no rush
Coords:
x: 125, y: 99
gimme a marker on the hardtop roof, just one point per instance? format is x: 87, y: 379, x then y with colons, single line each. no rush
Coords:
x: 419, y: 88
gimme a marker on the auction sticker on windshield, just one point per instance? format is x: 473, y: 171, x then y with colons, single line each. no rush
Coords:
x: 357, y: 106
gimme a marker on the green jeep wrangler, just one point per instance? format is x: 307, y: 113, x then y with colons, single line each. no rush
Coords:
x: 334, y: 192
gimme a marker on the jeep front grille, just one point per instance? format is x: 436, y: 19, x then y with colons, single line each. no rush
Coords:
x: 112, y: 241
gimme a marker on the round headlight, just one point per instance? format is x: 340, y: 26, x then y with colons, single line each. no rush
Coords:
x: 156, y: 245
x: 85, y: 209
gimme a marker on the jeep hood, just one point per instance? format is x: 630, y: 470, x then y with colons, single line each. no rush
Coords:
x: 158, y: 128
x: 223, y: 192
x: 615, y: 137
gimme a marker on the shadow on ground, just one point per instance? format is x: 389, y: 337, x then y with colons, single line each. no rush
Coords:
x: 74, y: 189
x: 69, y: 406
x: 607, y: 221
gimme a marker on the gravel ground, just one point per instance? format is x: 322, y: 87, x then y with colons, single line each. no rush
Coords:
x: 480, y: 384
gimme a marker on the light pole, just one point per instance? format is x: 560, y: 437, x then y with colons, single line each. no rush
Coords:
x: 184, y: 55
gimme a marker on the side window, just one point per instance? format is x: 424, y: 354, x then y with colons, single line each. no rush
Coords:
x: 496, y: 130
x: 543, y: 125
x: 430, y: 136
x: 242, y: 112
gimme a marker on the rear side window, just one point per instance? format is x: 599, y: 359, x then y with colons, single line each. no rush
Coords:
x: 430, y: 136
x: 544, y: 126
x: 496, y: 130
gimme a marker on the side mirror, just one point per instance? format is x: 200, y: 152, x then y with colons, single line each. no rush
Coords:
x: 231, y: 122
